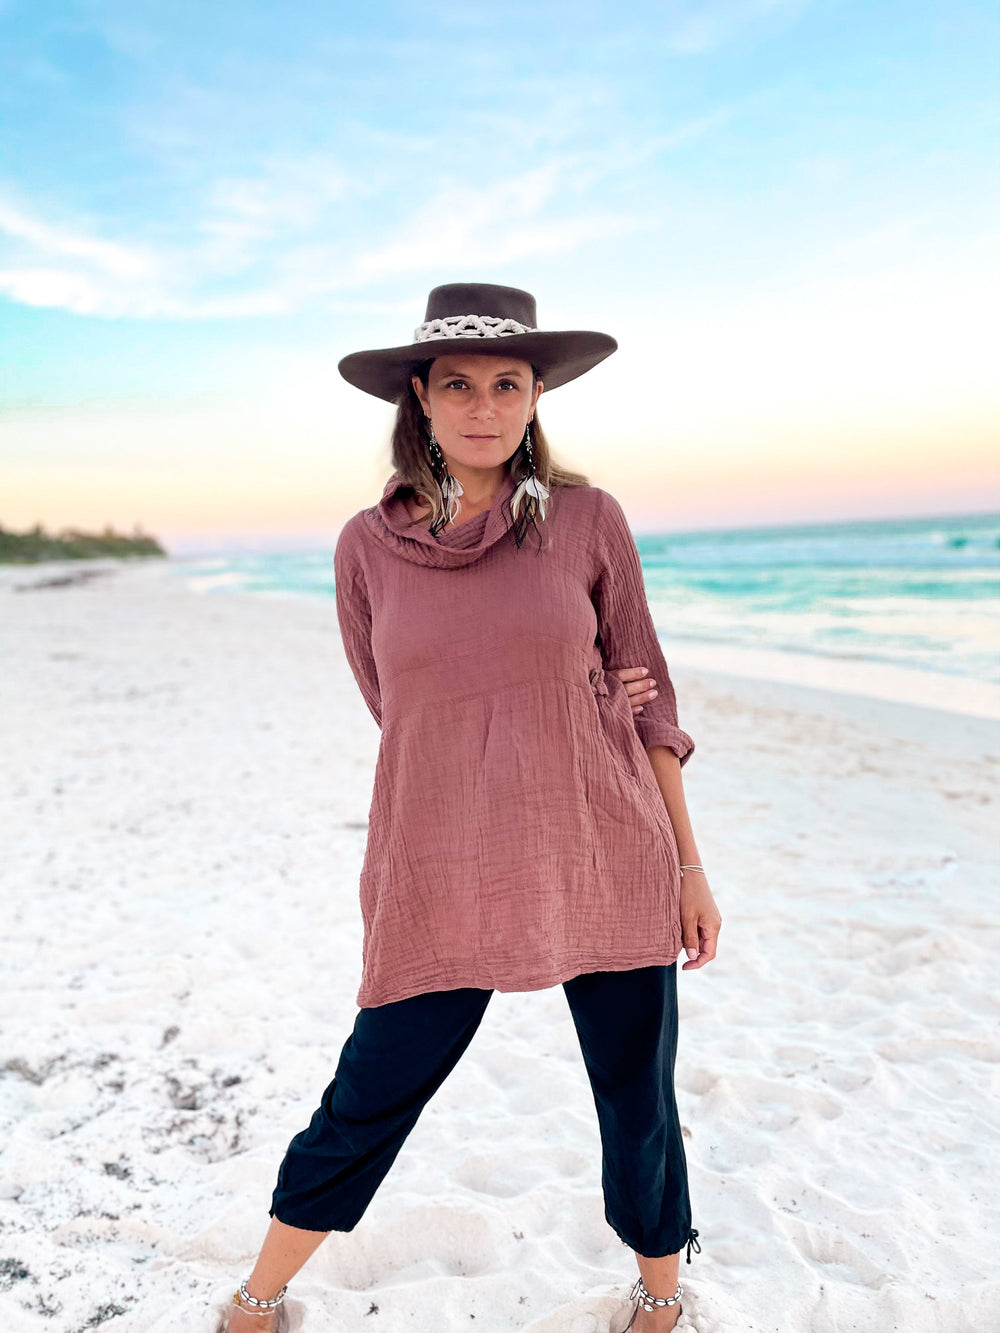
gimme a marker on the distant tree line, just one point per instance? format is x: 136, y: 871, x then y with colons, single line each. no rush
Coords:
x: 24, y: 548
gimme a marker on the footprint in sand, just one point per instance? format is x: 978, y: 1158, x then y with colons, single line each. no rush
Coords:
x: 920, y: 1049
x: 458, y: 1242
x: 697, y: 1081
x: 820, y: 1245
x: 772, y: 1105
x: 505, y: 1177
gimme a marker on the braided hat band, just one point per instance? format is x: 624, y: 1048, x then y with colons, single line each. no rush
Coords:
x: 469, y: 326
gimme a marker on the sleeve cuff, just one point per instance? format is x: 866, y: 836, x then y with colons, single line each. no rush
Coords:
x: 665, y: 733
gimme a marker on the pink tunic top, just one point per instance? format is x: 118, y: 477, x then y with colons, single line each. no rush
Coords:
x: 517, y: 836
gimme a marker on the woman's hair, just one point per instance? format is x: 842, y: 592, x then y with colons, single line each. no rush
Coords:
x: 411, y: 459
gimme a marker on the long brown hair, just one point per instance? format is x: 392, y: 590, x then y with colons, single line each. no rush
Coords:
x: 411, y: 459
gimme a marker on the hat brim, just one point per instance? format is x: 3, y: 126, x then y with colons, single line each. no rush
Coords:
x: 558, y: 358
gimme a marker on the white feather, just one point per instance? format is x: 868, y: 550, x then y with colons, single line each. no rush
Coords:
x: 529, y: 486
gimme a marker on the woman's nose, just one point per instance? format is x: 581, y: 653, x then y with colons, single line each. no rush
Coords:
x: 481, y: 406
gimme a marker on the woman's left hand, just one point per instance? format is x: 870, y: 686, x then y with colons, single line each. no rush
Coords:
x: 639, y: 686
x: 700, y: 920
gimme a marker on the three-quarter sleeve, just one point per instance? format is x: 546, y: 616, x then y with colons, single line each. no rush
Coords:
x: 626, y: 632
x: 354, y: 615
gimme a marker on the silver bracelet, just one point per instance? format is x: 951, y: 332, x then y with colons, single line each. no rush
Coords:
x: 701, y: 868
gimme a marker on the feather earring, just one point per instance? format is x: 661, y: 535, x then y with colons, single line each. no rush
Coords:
x: 529, y: 485
x: 451, y: 488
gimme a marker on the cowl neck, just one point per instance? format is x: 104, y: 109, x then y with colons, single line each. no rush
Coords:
x: 390, y: 523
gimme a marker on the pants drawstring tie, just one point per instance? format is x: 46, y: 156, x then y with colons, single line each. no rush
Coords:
x: 692, y: 1240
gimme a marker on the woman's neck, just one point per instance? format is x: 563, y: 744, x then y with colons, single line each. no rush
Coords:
x: 419, y: 511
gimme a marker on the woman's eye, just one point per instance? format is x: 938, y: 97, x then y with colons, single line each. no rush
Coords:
x: 455, y: 384
x: 507, y: 384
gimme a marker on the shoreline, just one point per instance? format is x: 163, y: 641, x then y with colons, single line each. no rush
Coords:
x: 842, y: 676
x: 970, y: 734
x: 857, y: 677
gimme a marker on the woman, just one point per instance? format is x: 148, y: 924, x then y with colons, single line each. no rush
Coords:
x: 527, y: 825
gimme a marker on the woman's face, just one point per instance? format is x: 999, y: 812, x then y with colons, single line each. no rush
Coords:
x: 479, y: 406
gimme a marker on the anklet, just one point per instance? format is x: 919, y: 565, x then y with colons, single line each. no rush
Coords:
x: 257, y: 1307
x: 650, y: 1303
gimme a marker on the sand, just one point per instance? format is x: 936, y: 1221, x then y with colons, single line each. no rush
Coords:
x: 183, y: 800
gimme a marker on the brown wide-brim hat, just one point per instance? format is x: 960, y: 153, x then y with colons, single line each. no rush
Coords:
x: 489, y: 321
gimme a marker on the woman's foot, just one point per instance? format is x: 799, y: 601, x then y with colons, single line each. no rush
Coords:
x: 659, y: 1321
x: 248, y: 1321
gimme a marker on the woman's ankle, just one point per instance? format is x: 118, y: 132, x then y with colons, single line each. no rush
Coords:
x: 660, y: 1322
x: 255, y: 1294
x: 242, y: 1321
x: 253, y: 1310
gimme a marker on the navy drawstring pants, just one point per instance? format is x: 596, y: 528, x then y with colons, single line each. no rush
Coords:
x: 399, y: 1054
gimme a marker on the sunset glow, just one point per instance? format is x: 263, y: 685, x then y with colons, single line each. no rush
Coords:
x: 791, y: 238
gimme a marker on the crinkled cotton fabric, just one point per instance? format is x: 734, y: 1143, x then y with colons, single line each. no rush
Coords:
x: 517, y: 836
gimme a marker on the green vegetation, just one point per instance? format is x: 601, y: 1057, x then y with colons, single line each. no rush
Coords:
x: 26, y: 548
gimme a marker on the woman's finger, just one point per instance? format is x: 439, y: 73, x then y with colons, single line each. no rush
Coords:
x: 700, y: 937
x: 639, y: 685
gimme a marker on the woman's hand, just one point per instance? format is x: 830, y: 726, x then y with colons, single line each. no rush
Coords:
x: 639, y: 686
x: 700, y: 920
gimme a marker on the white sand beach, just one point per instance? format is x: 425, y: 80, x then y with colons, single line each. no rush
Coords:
x: 182, y: 812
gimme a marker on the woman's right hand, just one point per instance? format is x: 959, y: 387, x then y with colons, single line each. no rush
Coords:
x: 639, y: 686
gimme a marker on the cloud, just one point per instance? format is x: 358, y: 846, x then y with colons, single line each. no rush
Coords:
x: 706, y: 27
x: 54, y: 288
x: 263, y: 245
x: 262, y: 168
x: 120, y: 261
x: 282, y: 195
x: 454, y: 231
x: 69, y: 269
x: 685, y: 27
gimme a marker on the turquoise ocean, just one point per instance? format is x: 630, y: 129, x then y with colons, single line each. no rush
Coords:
x: 922, y: 593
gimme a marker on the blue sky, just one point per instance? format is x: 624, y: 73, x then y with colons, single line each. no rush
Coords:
x: 786, y: 212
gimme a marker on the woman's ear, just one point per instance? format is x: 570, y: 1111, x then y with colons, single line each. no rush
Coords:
x: 420, y: 390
